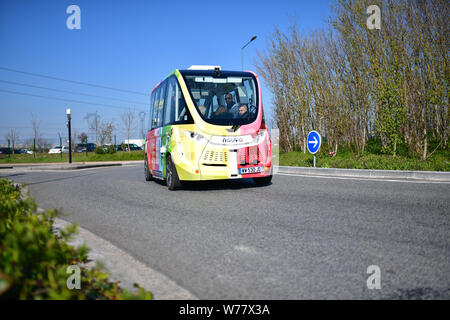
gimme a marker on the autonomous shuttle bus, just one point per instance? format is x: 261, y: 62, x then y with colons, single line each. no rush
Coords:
x: 207, y: 124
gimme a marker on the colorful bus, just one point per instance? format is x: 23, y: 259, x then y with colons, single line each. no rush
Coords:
x: 207, y: 124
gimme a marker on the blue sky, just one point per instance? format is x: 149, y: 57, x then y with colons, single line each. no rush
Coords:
x: 125, y: 44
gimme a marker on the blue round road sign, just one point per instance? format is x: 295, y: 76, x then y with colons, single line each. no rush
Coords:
x: 314, y: 140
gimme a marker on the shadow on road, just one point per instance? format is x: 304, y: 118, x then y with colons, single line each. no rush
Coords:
x: 11, y: 175
x: 60, y: 179
x: 217, y: 185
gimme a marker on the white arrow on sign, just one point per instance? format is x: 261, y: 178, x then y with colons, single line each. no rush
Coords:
x: 314, y: 141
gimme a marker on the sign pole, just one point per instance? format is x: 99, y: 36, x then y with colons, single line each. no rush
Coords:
x: 70, y: 135
x: 314, y: 141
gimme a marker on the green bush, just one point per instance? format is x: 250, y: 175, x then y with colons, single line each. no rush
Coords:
x: 105, y: 149
x: 99, y: 150
x: 110, y: 149
x: 34, y: 260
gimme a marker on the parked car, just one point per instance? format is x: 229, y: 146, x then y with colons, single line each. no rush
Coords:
x: 58, y: 149
x: 133, y: 146
x: 16, y: 151
x: 81, y: 147
x: 5, y: 151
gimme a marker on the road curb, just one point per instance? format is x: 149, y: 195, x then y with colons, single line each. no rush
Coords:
x: 82, y: 166
x: 71, y: 166
x: 60, y: 166
x: 124, y: 268
x: 365, y: 173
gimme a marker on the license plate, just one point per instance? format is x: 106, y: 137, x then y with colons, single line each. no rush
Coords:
x: 251, y: 170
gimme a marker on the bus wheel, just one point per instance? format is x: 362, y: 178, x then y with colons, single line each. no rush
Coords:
x: 148, y: 175
x: 263, y: 181
x: 172, y: 180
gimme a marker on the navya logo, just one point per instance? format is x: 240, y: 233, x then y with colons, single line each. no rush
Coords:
x: 233, y: 140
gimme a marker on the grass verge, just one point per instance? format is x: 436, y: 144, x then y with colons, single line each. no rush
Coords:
x: 348, y: 160
x: 76, y: 157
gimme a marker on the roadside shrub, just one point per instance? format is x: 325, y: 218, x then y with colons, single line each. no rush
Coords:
x: 34, y: 260
x: 110, y: 149
x: 99, y: 150
x: 105, y: 149
x: 373, y: 146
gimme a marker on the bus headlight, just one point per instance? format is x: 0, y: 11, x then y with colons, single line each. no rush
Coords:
x: 260, y: 137
x: 196, y: 137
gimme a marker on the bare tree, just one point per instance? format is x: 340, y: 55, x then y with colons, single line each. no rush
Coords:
x: 350, y: 82
x: 82, y: 137
x: 13, y: 136
x: 36, y: 124
x: 105, y: 132
x: 129, y: 123
x: 93, y: 120
x: 141, y: 123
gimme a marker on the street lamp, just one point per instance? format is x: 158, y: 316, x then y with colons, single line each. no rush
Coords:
x: 242, y: 52
x: 70, y: 136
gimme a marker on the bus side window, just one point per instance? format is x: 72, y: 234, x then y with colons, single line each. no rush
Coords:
x: 160, y: 106
x: 150, y: 113
x: 171, y: 103
x: 182, y: 114
x: 155, y: 108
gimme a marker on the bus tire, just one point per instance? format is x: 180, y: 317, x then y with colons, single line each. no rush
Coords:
x: 148, y: 175
x: 263, y: 181
x: 172, y: 180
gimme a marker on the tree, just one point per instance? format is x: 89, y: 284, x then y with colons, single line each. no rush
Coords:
x: 13, y: 136
x: 129, y: 123
x: 93, y: 120
x: 82, y: 137
x: 105, y: 132
x: 350, y: 82
x: 141, y: 122
x: 36, y: 124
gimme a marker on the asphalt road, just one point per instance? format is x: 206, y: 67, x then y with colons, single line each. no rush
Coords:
x: 298, y: 238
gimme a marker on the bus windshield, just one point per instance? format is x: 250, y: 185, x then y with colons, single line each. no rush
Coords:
x: 225, y: 100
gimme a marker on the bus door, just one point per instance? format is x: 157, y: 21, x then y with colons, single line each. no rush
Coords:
x: 170, y: 109
x: 155, y: 138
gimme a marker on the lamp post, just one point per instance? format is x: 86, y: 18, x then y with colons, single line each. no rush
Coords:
x: 242, y: 52
x: 70, y: 136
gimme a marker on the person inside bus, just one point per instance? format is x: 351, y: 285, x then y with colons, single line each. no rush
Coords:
x: 229, y: 101
x: 243, y: 111
x: 232, y: 106
x: 221, y: 113
x: 202, y: 109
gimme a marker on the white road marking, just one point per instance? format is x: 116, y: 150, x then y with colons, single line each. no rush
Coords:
x: 246, y: 249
